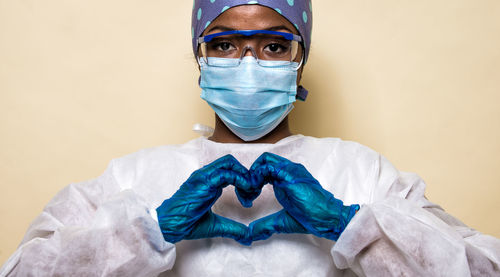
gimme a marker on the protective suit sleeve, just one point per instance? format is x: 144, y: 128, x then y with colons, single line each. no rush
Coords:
x: 93, y: 229
x: 403, y: 234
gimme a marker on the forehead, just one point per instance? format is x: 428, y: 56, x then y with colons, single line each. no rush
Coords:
x: 250, y: 17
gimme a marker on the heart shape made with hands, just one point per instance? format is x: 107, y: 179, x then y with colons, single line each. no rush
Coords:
x: 307, y: 207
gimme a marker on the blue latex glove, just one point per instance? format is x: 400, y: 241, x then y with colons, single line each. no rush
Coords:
x: 308, y: 208
x: 187, y: 214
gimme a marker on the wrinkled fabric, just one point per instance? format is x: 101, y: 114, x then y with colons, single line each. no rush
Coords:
x: 308, y: 208
x: 298, y: 12
x: 106, y: 227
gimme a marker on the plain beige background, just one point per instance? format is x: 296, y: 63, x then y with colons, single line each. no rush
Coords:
x: 82, y: 82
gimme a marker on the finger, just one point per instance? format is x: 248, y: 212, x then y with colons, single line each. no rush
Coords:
x: 317, y: 210
x: 248, y: 186
x: 246, y: 197
x: 244, y: 189
x: 229, y: 228
x: 228, y: 162
x: 213, y: 225
x: 273, y: 168
x: 178, y: 216
x: 268, y: 159
x: 308, y: 204
x: 263, y: 171
x: 222, y: 177
x: 206, y: 179
x: 280, y: 222
x: 227, y: 170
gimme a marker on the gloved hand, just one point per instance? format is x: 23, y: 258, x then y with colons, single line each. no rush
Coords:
x: 308, y: 208
x: 187, y: 214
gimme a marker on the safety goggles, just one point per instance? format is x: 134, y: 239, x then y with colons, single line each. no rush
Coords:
x: 264, y: 45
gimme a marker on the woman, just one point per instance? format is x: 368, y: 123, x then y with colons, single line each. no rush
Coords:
x: 162, y: 210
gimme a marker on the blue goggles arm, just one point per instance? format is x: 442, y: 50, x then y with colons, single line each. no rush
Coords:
x: 287, y: 36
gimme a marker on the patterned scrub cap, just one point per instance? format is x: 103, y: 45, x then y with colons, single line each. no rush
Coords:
x: 298, y: 12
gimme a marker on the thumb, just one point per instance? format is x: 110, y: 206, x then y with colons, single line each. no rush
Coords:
x: 279, y: 222
x: 212, y: 225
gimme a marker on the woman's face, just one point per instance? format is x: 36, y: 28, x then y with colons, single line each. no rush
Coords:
x: 253, y: 17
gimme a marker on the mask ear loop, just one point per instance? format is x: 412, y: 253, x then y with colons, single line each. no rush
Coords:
x: 301, y: 91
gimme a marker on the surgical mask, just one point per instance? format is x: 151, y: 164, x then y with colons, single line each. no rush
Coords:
x: 251, y: 98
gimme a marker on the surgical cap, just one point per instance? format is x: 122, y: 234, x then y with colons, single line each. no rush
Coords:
x: 298, y: 12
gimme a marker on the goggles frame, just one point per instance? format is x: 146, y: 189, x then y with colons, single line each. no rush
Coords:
x: 248, y: 33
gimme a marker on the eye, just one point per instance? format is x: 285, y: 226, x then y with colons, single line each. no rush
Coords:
x: 276, y: 48
x: 223, y: 46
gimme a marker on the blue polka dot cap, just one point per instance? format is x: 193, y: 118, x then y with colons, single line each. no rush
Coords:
x: 298, y: 12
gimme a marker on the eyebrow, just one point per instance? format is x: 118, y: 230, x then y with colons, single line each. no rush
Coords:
x: 225, y: 28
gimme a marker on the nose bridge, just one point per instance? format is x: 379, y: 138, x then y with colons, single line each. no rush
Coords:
x: 248, y: 50
x: 248, y: 47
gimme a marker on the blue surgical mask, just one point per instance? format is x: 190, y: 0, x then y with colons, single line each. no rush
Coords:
x: 251, y: 98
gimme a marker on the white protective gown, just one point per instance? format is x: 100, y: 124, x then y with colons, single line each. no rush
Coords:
x: 107, y: 226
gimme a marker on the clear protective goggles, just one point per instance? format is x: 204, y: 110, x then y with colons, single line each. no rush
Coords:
x: 264, y: 45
